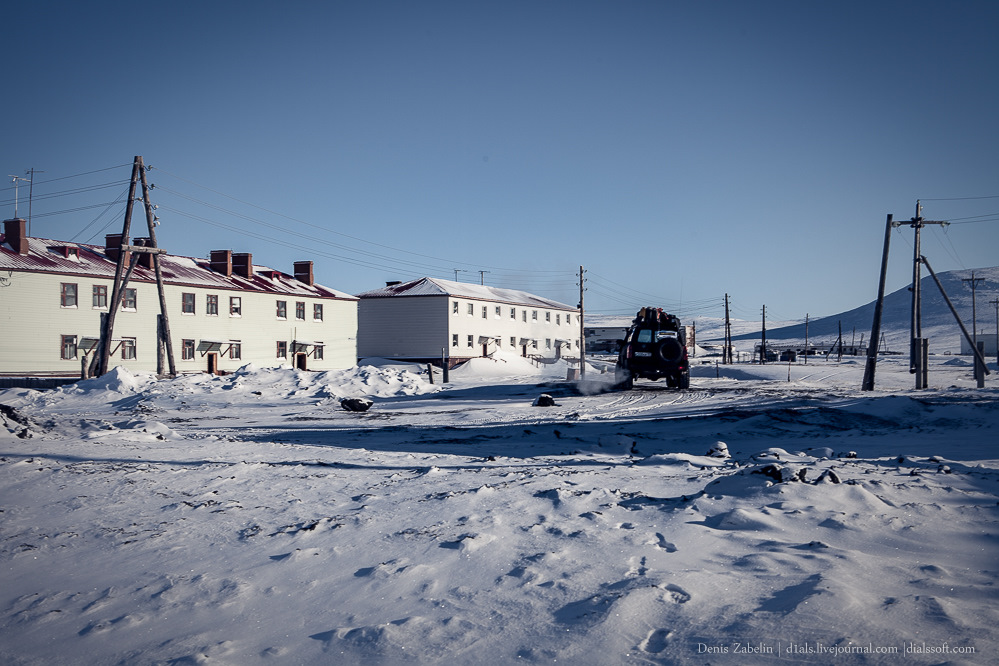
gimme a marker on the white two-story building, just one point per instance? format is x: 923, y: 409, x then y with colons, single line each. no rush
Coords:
x: 427, y: 319
x: 223, y: 313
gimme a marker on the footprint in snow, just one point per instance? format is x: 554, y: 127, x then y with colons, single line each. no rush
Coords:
x: 656, y: 641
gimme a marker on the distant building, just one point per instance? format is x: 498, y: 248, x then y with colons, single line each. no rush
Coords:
x: 988, y: 339
x: 223, y: 312
x: 428, y: 318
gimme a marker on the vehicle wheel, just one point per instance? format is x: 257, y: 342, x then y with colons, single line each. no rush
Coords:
x: 683, y: 381
x: 624, y: 380
x: 670, y: 350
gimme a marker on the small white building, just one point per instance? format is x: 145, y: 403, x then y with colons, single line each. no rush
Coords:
x: 427, y: 319
x: 223, y: 313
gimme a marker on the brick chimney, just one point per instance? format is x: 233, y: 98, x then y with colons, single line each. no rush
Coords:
x: 303, y: 272
x: 14, y: 233
x: 222, y: 262
x: 242, y: 264
x: 112, y: 246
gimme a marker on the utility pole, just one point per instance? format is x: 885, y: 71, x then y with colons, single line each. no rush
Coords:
x: 995, y: 302
x: 974, y: 314
x: 582, y: 329
x: 876, y: 335
x: 916, y: 323
x: 31, y: 189
x: 763, y: 340
x: 727, y: 351
x: 482, y: 277
x: 806, y: 338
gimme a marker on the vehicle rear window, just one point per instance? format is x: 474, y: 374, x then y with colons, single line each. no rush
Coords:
x: 644, y: 335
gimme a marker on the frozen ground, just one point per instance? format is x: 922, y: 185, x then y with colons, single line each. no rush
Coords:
x: 248, y: 519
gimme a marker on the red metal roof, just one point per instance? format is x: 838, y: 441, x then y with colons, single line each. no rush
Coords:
x: 49, y: 256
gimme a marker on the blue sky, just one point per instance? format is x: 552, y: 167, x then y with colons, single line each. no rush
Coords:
x: 677, y: 150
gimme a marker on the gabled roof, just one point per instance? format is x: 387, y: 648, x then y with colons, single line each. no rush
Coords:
x: 435, y: 287
x: 89, y: 261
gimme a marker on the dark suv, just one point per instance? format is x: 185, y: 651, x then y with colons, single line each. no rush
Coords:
x: 654, y: 347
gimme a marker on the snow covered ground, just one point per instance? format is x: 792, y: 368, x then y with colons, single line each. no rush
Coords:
x: 248, y: 519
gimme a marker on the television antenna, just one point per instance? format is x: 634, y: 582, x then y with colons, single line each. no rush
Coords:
x: 15, y: 179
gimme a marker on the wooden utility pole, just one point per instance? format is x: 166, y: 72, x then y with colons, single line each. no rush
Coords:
x: 763, y: 339
x: 582, y: 329
x: 974, y: 312
x: 727, y: 351
x: 995, y: 302
x: 806, y: 338
x: 980, y: 359
x: 103, y: 355
x: 872, y: 351
x: 164, y: 330
x: 916, y: 323
x: 103, y: 352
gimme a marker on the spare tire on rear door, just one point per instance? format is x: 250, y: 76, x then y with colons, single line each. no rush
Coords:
x: 670, y: 350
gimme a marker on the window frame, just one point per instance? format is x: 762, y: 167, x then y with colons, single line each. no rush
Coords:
x: 99, y: 297
x: 281, y: 310
x: 212, y: 305
x: 299, y: 310
x: 188, y: 302
x: 235, y: 306
x: 187, y: 350
x: 68, y: 342
x: 281, y: 349
x: 69, y: 295
x: 317, y: 312
x: 129, y: 349
x: 129, y: 299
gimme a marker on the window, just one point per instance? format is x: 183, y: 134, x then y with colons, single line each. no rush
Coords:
x: 100, y: 299
x: 212, y: 304
x: 187, y: 303
x: 129, y: 300
x: 470, y: 342
x: 523, y: 315
x: 534, y: 315
x: 187, y: 350
x: 318, y: 353
x: 568, y: 319
x: 68, y: 347
x: 282, y: 309
x: 454, y: 339
x: 235, y: 308
x: 548, y: 343
x: 235, y: 350
x: 558, y: 319
x: 67, y: 295
x: 317, y: 311
x: 485, y: 312
x: 513, y: 313
x: 548, y: 317
x: 300, y: 310
x: 127, y: 349
x: 499, y: 312
x: 471, y: 309
x: 513, y: 341
x: 282, y: 349
x: 454, y: 307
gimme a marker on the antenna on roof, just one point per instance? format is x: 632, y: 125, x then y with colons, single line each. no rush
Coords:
x: 16, y: 178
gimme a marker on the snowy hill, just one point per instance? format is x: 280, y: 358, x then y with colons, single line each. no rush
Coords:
x: 938, y: 322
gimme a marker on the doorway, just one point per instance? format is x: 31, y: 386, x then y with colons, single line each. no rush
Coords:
x: 213, y: 364
x: 300, y: 361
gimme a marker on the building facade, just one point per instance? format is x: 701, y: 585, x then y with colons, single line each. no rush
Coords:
x: 223, y: 313
x: 427, y: 319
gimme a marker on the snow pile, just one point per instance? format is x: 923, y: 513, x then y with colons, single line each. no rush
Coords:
x: 250, y: 519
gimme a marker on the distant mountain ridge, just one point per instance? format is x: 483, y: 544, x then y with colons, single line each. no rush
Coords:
x: 938, y: 322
